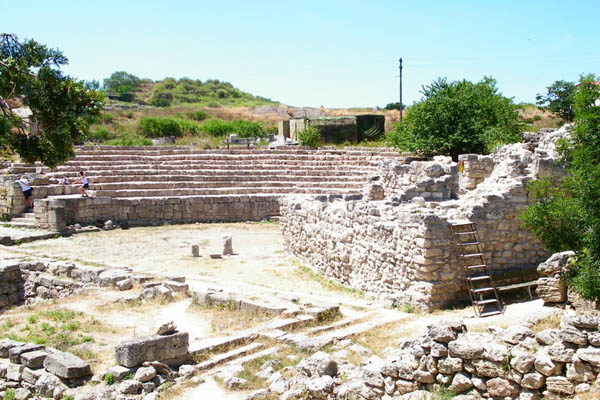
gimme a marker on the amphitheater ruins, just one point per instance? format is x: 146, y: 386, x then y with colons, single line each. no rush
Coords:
x: 374, y: 227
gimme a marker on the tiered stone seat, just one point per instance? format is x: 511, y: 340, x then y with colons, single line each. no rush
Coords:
x: 188, y: 184
x: 183, y: 171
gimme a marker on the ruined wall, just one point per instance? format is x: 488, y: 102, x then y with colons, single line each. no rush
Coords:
x: 57, y: 213
x: 401, y: 247
x: 433, y: 180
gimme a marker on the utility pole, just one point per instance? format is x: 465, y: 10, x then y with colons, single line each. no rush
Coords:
x: 400, y: 89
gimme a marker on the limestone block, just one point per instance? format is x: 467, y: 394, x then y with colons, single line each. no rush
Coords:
x: 167, y: 349
x: 499, y: 387
x: 560, y: 384
x: 33, y: 359
x: 552, y: 290
x: 66, y: 365
x: 533, y: 380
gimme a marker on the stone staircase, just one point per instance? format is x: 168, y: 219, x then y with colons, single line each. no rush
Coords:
x: 23, y: 220
x: 170, y: 172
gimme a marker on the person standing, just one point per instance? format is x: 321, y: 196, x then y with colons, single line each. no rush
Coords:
x: 27, y: 191
x: 84, y: 184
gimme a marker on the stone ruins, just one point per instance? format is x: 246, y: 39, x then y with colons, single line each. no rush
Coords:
x: 370, y: 219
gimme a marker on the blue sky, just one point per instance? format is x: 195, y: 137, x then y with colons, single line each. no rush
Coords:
x: 313, y: 53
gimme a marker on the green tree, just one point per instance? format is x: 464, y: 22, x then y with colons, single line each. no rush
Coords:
x: 124, y: 84
x: 559, y: 99
x: 458, y: 117
x: 61, y: 107
x: 566, y: 214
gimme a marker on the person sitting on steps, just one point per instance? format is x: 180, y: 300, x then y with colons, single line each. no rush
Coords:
x: 85, y: 184
x: 27, y: 191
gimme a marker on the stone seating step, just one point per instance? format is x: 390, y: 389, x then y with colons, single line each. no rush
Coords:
x: 231, y: 178
x: 156, y: 193
x: 225, y: 184
x: 231, y: 355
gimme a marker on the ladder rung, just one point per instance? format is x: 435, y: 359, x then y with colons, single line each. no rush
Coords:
x: 482, y: 290
x: 489, y: 313
x: 479, y: 278
x: 475, y: 266
x: 473, y: 255
x: 466, y: 233
x: 469, y: 244
x: 488, y: 301
x: 463, y: 224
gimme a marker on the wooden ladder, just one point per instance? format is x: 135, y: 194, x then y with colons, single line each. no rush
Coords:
x: 480, y: 284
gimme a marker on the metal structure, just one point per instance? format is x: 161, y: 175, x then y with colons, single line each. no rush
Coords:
x: 401, y: 107
x: 480, y: 284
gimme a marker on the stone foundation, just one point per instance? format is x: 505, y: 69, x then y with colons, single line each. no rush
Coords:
x: 57, y: 213
x: 401, y: 247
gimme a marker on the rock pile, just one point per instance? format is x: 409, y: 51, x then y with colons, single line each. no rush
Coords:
x: 34, y: 370
x: 552, y: 287
x: 512, y: 363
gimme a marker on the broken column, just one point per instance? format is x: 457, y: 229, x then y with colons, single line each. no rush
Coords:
x: 227, y: 245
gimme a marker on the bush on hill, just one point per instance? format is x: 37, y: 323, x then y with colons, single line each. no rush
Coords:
x: 154, y: 127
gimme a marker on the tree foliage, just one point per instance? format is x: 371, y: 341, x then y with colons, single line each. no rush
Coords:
x: 310, y: 136
x: 559, y: 98
x: 61, y: 106
x: 566, y: 214
x: 458, y: 117
x: 123, y: 83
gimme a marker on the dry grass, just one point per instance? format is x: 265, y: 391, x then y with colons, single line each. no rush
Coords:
x: 384, y: 336
x: 224, y: 320
x: 540, y: 118
x: 305, y: 273
x: 550, y: 322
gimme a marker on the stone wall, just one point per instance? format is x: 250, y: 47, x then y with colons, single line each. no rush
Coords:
x: 401, y: 247
x: 512, y: 363
x: 433, y: 180
x: 475, y: 169
x: 57, y: 213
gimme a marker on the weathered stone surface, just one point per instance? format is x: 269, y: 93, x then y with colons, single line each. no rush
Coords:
x: 319, y: 364
x: 516, y: 333
x: 66, y: 365
x: 6, y: 345
x: 33, y: 359
x: 552, y: 290
x: 131, y: 386
x: 119, y: 372
x: 590, y: 355
x: 145, y: 374
x: 14, y: 372
x: 111, y: 277
x: 547, y: 336
x: 450, y: 365
x: 560, y: 384
x: 47, y: 384
x: 167, y: 328
x: 555, y: 264
x: 403, y: 386
x: 490, y: 369
x: 469, y: 346
x: 499, y: 387
x: 578, y: 371
x: 544, y: 364
x: 461, y: 382
x: 533, y: 380
x: 227, y: 245
x: 15, y: 352
x: 163, y: 348
x: 125, y: 284
x: 562, y: 351
x: 320, y: 387
x: 594, y: 338
x: 522, y: 362
x: 572, y: 335
x: 441, y: 332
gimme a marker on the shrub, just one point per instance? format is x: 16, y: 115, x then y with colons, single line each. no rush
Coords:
x: 161, y: 99
x: 454, y: 118
x: 9, y: 394
x: 189, y: 127
x: 537, y: 117
x: 130, y: 139
x: 247, y: 129
x: 565, y: 214
x: 153, y: 127
x: 109, y: 379
x: 100, y: 134
x: 310, y: 137
x: 197, y: 115
x: 216, y: 127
